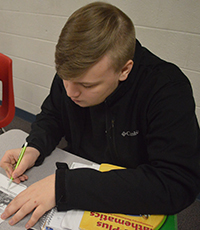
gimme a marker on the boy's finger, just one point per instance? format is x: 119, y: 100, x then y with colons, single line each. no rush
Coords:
x: 9, y: 170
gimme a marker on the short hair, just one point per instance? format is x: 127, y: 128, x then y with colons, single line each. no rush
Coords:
x: 91, y: 32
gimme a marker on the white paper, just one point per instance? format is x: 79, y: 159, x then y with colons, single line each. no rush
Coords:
x: 72, y: 219
x: 7, y: 195
x: 76, y: 165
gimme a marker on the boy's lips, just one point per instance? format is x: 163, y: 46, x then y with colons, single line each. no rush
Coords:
x: 76, y: 101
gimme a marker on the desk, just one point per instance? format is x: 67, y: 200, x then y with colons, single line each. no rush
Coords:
x: 14, y: 139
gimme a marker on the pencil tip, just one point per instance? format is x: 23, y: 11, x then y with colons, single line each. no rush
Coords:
x: 9, y: 184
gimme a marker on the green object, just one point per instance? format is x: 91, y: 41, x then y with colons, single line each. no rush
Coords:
x: 170, y: 223
x: 19, y: 160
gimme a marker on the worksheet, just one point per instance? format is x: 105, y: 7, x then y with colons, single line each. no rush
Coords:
x: 7, y: 194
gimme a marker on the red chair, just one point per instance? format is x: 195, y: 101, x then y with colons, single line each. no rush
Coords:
x: 7, y: 107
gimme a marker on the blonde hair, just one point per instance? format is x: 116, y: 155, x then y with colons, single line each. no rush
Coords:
x: 91, y: 32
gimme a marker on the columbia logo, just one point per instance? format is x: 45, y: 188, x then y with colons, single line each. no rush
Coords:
x: 129, y: 133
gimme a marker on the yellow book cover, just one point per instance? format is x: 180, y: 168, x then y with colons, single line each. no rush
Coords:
x: 110, y: 221
x: 97, y: 220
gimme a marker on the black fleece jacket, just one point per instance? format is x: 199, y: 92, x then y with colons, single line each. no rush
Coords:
x: 147, y: 125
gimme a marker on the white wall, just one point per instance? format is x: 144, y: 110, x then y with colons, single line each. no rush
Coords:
x: 29, y: 30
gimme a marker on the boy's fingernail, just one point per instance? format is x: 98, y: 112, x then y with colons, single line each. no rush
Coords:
x: 3, y: 216
x: 11, y: 222
x: 15, y: 175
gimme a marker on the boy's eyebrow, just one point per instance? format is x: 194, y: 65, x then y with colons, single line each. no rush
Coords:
x: 88, y: 83
x: 77, y: 81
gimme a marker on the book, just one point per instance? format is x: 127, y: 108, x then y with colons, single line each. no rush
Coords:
x: 113, y: 221
x: 52, y: 220
x: 110, y: 221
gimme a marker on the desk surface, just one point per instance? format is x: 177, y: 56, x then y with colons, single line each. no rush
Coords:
x: 14, y: 139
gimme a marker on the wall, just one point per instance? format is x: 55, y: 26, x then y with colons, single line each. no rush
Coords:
x: 29, y: 30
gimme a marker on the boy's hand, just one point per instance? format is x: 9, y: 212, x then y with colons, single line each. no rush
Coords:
x: 39, y: 198
x: 10, y: 159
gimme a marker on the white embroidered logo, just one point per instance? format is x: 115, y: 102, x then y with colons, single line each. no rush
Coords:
x: 130, y: 134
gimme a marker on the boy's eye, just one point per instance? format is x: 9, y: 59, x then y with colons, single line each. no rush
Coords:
x: 87, y: 86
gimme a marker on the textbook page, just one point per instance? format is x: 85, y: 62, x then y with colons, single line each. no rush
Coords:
x: 7, y: 195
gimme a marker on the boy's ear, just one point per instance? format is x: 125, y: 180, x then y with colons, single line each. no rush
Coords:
x: 126, y: 70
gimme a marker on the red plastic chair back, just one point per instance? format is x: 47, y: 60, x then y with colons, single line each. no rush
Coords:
x: 7, y: 107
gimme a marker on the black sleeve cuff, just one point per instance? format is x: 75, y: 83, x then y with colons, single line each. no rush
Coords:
x: 41, y: 157
x: 60, y: 186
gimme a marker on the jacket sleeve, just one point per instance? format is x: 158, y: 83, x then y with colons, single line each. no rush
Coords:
x: 167, y: 184
x: 47, y: 129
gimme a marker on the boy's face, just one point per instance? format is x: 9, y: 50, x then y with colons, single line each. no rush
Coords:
x: 94, y: 86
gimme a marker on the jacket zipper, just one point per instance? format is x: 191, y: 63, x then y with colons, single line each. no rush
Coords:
x: 113, y: 138
x: 110, y: 132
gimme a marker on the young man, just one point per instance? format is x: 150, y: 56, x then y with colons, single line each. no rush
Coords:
x: 115, y: 102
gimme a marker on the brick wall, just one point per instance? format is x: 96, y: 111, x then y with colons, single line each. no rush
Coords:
x: 29, y: 31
